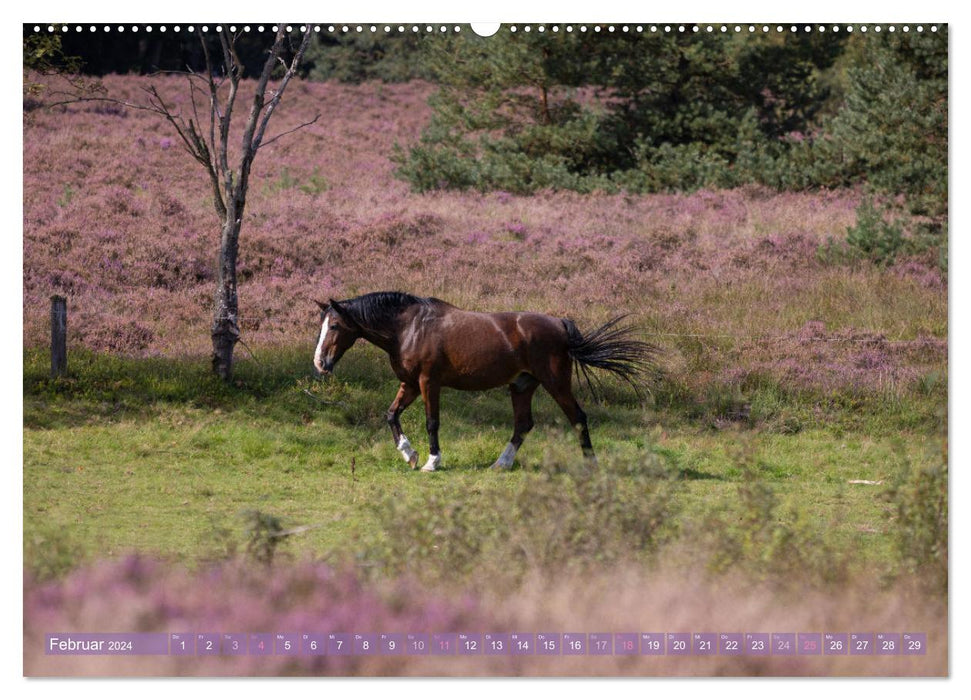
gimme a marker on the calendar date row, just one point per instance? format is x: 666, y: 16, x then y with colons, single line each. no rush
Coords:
x: 494, y: 644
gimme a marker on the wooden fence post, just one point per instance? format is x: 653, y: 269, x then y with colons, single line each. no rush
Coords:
x: 58, y: 335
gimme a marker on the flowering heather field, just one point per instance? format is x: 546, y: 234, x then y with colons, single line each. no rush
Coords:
x: 731, y: 284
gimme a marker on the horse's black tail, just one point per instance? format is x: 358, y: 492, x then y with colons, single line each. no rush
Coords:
x: 612, y: 348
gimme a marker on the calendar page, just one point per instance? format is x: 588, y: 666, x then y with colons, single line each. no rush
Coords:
x: 524, y: 349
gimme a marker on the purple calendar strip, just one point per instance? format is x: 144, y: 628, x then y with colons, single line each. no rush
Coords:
x: 493, y: 644
x: 106, y: 644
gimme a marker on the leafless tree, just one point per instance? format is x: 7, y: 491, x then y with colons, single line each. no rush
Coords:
x: 205, y: 135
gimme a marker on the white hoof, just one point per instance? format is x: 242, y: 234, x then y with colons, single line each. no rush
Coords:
x: 411, y: 457
x: 506, y: 458
x: 432, y: 463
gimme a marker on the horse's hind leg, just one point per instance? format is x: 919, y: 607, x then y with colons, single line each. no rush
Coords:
x: 562, y: 393
x: 430, y: 393
x: 522, y: 391
x: 406, y: 395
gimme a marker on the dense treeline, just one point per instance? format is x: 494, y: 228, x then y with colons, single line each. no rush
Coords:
x: 599, y: 111
x: 347, y: 58
x: 522, y: 112
x: 100, y: 53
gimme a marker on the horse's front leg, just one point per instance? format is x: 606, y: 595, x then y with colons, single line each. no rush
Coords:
x: 430, y: 391
x: 406, y: 395
x: 521, y: 391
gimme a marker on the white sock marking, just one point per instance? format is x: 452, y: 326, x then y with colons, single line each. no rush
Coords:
x: 506, y: 458
x: 432, y: 464
x: 404, y: 447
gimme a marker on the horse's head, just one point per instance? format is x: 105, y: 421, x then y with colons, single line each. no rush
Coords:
x: 338, y: 332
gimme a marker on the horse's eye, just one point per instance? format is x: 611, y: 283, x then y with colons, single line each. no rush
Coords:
x: 333, y: 326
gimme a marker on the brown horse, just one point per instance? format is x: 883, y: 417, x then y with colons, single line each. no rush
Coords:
x: 433, y: 344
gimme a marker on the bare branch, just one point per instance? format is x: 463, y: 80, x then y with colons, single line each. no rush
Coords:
x: 287, y: 77
x: 214, y: 114
x: 74, y: 99
x: 195, y: 109
x: 188, y: 73
x: 259, y: 97
x: 290, y: 131
x: 217, y: 196
x: 194, y: 144
x: 211, y: 145
x: 184, y: 132
x: 231, y: 60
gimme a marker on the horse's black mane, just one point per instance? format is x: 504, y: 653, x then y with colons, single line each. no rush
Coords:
x: 376, y: 311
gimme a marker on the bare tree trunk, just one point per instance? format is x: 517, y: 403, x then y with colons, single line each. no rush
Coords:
x: 208, y: 144
x: 225, y: 322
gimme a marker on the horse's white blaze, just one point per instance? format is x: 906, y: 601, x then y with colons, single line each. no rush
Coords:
x: 432, y: 464
x: 506, y: 458
x: 318, y: 360
x: 404, y: 447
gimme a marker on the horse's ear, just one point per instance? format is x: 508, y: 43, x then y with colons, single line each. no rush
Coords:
x: 322, y: 305
x: 338, y: 308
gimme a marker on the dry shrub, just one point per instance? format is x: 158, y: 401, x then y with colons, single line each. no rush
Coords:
x: 568, y: 516
x: 919, y: 501
x: 756, y: 536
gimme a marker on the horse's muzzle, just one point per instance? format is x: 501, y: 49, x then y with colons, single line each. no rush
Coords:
x: 324, y: 369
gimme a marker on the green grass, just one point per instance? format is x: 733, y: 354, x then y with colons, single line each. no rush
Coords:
x: 157, y: 456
